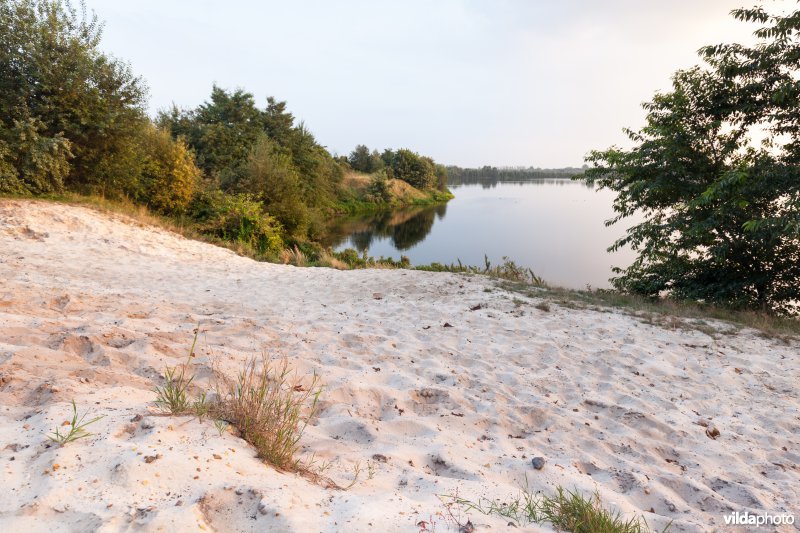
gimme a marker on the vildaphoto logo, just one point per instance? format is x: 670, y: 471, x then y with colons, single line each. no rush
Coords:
x: 765, y: 519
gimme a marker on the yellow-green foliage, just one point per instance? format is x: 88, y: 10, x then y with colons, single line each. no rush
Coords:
x: 239, y: 218
x: 169, y: 174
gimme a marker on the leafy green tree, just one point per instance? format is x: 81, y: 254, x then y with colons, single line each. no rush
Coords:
x: 53, y: 73
x: 221, y: 131
x: 31, y: 163
x: 768, y: 99
x: 278, y: 123
x: 271, y: 177
x: 360, y: 159
x: 718, y: 211
x: 417, y: 171
x: 379, y: 190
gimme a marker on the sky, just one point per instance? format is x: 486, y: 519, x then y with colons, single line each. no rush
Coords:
x: 467, y: 82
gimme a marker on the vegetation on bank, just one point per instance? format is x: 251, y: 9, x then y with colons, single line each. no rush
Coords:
x: 73, y: 120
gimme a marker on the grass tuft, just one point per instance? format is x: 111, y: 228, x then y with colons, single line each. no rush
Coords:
x: 270, y: 406
x: 173, y: 397
x: 565, y: 511
x: 508, y: 270
x: 77, y: 428
x: 293, y: 256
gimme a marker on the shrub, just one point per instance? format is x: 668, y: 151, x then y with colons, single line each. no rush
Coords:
x: 238, y: 218
x: 169, y: 175
x: 270, y: 176
x: 414, y: 169
x: 378, y: 190
x: 270, y: 407
x: 30, y: 161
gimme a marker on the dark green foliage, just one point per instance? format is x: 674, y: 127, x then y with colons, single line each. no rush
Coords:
x: 278, y: 123
x: 260, y: 152
x: 319, y: 173
x: 362, y: 160
x: 378, y: 190
x: 31, y: 163
x: 73, y: 119
x: 56, y: 86
x: 720, y: 213
x: 272, y: 178
x: 416, y: 170
x: 237, y: 218
x: 221, y: 131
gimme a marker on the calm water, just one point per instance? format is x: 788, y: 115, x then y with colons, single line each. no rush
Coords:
x: 554, y: 227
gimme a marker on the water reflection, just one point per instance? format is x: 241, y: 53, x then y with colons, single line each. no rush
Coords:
x: 554, y: 226
x: 491, y: 183
x: 404, y: 228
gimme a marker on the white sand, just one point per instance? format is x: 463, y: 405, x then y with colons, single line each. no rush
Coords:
x: 92, y: 307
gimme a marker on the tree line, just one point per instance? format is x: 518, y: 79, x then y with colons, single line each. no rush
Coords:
x: 493, y: 175
x: 73, y: 118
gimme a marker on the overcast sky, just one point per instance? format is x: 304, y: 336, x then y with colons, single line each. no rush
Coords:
x: 497, y: 82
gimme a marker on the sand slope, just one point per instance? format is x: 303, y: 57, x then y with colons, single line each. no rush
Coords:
x: 93, y: 306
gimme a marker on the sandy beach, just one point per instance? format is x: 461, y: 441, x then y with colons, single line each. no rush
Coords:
x: 434, y: 384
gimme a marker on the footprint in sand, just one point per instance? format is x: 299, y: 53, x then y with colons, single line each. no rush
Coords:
x: 80, y: 345
x: 243, y: 509
x: 429, y: 401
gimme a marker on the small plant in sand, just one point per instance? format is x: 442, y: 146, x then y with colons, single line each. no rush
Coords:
x: 270, y: 406
x: 77, y: 428
x: 221, y: 425
x: 565, y: 511
x: 201, y: 406
x: 173, y: 397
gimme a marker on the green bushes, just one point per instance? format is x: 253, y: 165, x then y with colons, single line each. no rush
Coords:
x: 270, y: 176
x: 72, y: 120
x: 238, y: 218
x: 243, y: 149
x: 30, y: 161
x: 378, y: 190
x: 61, y: 93
x: 414, y: 169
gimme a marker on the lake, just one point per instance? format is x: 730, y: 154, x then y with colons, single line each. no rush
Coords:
x: 554, y: 226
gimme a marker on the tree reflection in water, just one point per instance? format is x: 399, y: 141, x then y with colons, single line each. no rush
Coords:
x: 404, y: 228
